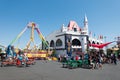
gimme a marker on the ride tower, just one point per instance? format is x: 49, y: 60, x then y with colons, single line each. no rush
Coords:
x: 32, y: 26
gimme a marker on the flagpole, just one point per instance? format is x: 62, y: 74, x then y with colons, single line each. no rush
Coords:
x: 105, y: 46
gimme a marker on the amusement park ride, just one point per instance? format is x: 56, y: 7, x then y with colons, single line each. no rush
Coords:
x: 33, y: 27
x: 27, y: 56
x: 32, y: 51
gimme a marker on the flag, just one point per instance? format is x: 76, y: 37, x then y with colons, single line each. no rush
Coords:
x: 90, y: 34
x: 101, y: 36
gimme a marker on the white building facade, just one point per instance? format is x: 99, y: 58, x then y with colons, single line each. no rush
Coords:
x: 71, y: 39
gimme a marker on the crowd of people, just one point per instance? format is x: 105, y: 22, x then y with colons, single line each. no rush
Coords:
x: 95, y: 59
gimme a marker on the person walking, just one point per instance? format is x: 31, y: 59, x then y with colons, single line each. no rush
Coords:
x: 114, y: 59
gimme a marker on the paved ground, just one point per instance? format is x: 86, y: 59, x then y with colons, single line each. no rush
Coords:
x: 53, y: 71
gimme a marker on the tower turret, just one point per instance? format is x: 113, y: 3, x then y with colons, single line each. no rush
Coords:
x: 86, y: 25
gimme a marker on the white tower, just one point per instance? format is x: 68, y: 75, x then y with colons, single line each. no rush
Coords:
x: 84, y: 37
x: 86, y: 25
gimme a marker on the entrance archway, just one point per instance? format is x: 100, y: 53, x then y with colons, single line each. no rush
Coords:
x: 76, y: 42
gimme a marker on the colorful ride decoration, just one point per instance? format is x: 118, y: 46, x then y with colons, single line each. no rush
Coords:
x: 37, y: 54
x: 68, y: 45
x: 10, y: 52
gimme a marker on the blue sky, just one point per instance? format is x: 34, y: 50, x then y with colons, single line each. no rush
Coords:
x: 103, y: 17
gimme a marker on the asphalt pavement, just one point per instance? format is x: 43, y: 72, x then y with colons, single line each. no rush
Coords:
x: 53, y: 71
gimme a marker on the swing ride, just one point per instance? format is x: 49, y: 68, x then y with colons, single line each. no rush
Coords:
x: 32, y: 51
